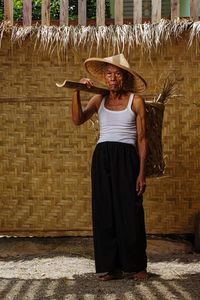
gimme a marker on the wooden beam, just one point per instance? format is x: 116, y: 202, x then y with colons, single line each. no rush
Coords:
x: 64, y: 12
x: 137, y: 11
x: 175, y: 9
x: 82, y: 12
x: 100, y: 12
x: 156, y: 11
x: 194, y: 10
x: 8, y: 11
x: 46, y: 12
x: 118, y: 12
x: 27, y: 12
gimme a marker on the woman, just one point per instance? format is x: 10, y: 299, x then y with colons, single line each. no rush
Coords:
x: 118, y: 169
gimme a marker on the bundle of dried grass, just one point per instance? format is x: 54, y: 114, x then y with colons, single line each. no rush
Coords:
x: 194, y: 34
x: 168, y: 90
x: 112, y: 38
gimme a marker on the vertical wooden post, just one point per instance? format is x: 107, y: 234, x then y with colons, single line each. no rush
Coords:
x: 194, y: 10
x: 137, y: 11
x: 118, y: 12
x: 156, y: 11
x: 64, y: 12
x: 82, y: 12
x: 8, y: 11
x: 175, y: 9
x: 100, y: 12
x: 199, y: 8
x: 27, y: 12
x: 46, y: 12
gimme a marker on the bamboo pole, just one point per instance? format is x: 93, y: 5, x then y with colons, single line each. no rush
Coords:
x: 199, y: 9
x: 46, y: 12
x: 118, y: 12
x: 27, y: 12
x: 100, y: 12
x: 156, y: 11
x: 64, y: 12
x: 82, y: 12
x: 194, y: 10
x: 137, y: 11
x: 175, y: 9
x: 8, y: 11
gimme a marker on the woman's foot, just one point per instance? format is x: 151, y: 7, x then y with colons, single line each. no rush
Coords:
x: 114, y: 275
x: 139, y: 276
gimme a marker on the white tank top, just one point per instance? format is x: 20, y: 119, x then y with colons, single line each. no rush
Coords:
x: 117, y: 126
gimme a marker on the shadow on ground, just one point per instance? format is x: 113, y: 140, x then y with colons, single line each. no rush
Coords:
x: 88, y: 287
x: 63, y: 268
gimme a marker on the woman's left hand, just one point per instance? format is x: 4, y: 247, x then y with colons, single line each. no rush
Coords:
x: 140, y: 185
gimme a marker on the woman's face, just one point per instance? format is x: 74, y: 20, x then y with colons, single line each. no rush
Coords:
x: 114, y: 78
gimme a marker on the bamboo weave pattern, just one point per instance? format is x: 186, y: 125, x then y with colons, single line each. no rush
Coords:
x: 45, y: 159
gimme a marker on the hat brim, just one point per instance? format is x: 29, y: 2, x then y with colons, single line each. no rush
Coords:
x: 134, y: 83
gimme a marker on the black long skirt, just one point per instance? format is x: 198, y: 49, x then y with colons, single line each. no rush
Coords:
x: 118, y: 216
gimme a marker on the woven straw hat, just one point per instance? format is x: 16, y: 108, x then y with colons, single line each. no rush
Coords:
x: 95, y: 67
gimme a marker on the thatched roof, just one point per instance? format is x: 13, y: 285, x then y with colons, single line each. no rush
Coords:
x: 114, y: 38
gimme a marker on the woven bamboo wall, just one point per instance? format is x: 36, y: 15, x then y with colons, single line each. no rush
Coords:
x: 45, y: 159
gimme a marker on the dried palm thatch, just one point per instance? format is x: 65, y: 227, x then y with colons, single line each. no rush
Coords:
x: 155, y: 164
x: 113, y: 38
x: 194, y: 34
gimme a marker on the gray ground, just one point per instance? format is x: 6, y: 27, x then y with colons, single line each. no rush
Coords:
x: 63, y: 268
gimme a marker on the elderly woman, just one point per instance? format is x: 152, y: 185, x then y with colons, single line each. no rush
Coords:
x: 118, y: 167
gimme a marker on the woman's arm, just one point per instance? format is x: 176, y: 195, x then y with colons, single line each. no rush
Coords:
x: 80, y: 115
x: 139, y: 106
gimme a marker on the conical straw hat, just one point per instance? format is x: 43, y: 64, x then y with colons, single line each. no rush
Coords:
x: 95, y: 67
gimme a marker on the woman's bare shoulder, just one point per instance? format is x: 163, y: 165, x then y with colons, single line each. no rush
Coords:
x: 96, y: 100
x: 138, y: 102
x: 138, y: 98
